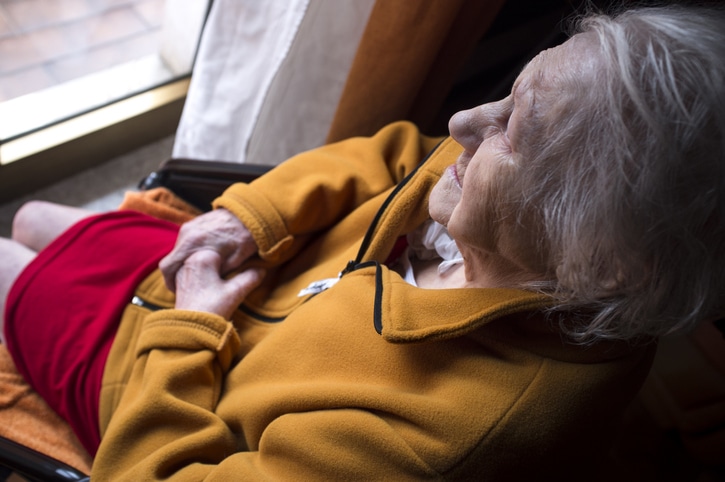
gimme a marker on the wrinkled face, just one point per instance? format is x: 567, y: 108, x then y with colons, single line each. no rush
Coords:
x: 475, y: 197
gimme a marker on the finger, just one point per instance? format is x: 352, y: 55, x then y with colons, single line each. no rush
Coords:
x: 245, y: 282
x: 236, y: 289
x: 169, y: 268
x: 167, y: 272
x: 234, y: 260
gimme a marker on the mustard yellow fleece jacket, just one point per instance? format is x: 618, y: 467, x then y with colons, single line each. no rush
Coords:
x: 371, y: 379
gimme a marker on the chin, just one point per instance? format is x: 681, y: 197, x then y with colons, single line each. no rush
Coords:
x: 441, y: 203
x: 439, y: 220
x: 438, y: 213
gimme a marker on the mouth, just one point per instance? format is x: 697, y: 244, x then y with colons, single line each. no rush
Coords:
x: 453, y: 172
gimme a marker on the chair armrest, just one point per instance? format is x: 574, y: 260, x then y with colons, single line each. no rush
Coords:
x: 34, y: 465
x: 200, y: 182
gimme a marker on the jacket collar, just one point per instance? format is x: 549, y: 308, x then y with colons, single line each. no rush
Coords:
x: 442, y: 314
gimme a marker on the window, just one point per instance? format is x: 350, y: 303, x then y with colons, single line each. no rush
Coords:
x: 69, y: 68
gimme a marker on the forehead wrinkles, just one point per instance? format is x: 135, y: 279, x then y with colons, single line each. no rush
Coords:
x: 529, y: 82
x: 560, y: 78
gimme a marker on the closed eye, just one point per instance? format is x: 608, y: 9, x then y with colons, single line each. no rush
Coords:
x: 501, y: 140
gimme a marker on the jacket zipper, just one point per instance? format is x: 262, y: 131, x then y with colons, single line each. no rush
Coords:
x: 355, y: 263
x: 138, y: 301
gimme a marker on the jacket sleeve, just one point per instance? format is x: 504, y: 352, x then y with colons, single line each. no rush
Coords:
x: 313, y: 190
x: 166, y: 426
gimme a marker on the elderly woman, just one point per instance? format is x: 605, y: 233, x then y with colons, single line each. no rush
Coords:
x: 324, y: 327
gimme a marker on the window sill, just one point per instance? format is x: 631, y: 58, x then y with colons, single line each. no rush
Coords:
x: 37, y: 159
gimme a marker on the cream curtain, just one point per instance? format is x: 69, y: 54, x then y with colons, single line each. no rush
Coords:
x: 268, y: 77
x: 276, y: 77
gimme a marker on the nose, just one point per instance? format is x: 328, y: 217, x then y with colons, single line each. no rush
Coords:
x: 463, y: 129
x: 470, y: 127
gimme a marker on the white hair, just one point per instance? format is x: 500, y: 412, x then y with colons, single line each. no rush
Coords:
x: 629, y: 177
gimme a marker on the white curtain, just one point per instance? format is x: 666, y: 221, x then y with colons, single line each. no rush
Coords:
x: 268, y: 77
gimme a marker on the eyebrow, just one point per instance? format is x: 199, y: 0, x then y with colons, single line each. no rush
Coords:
x: 517, y: 82
x: 516, y: 89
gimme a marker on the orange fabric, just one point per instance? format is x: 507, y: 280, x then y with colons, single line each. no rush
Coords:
x: 407, y: 61
x: 26, y: 418
x: 160, y: 203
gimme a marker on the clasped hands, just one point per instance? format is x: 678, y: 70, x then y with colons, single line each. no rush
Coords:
x: 208, y: 249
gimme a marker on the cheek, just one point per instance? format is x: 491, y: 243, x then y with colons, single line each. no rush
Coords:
x: 480, y: 217
x: 474, y: 220
x: 490, y: 221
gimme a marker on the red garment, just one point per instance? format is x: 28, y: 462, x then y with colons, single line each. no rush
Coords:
x: 63, y: 310
x: 397, y: 251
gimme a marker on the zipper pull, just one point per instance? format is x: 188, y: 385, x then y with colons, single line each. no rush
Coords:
x: 350, y: 266
x: 318, y: 286
x: 325, y: 284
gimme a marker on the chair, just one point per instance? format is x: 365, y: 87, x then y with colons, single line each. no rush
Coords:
x: 33, y: 465
x: 199, y: 182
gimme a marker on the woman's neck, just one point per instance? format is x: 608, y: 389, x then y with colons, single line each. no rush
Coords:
x: 484, y: 269
x: 428, y: 276
x: 479, y: 270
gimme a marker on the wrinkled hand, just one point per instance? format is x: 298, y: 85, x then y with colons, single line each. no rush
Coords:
x: 200, y: 286
x: 218, y: 231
